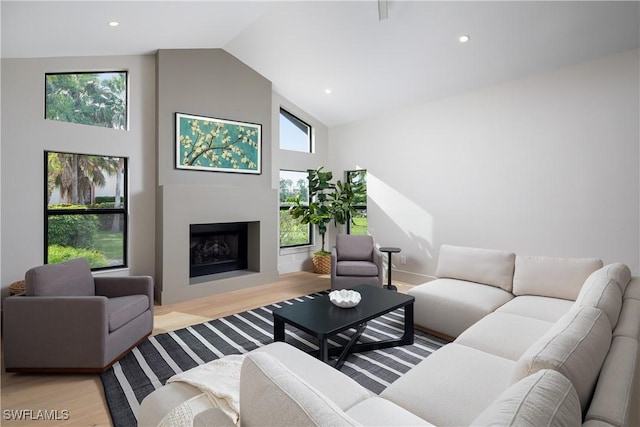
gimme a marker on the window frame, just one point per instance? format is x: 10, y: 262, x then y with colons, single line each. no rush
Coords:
x: 281, y: 207
x: 122, y: 210
x: 299, y: 123
x: 126, y: 95
x: 348, y: 174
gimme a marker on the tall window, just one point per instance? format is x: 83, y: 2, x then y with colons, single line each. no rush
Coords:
x: 292, y: 231
x: 97, y: 99
x: 358, y: 181
x: 294, y: 133
x: 85, y: 209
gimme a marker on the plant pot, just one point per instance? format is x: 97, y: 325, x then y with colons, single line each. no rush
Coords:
x: 321, y: 264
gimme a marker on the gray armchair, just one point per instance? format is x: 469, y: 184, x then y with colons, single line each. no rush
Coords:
x: 69, y: 321
x: 355, y: 261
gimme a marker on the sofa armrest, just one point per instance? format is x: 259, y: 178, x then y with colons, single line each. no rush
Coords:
x: 613, y: 396
x: 50, y: 331
x: 377, y: 260
x: 342, y: 390
x: 111, y: 287
x: 334, y: 262
x: 122, y: 286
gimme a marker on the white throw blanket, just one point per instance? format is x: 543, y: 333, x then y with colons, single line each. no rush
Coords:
x: 219, y: 381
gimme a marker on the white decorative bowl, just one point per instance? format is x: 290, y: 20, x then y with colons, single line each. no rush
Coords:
x: 345, y: 298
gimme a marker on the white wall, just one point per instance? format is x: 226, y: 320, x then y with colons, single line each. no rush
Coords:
x: 298, y: 258
x: 26, y: 135
x: 547, y: 165
x: 1, y: 158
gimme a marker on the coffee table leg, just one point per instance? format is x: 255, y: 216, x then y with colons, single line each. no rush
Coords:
x: 347, y: 349
x: 278, y: 330
x: 323, y: 350
x: 408, y: 336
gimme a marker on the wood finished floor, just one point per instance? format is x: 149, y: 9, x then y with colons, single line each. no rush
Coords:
x: 82, y: 394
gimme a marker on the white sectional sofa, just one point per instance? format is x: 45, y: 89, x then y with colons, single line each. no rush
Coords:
x: 536, y: 341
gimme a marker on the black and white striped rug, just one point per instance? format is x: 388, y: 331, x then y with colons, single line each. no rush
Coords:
x: 148, y: 366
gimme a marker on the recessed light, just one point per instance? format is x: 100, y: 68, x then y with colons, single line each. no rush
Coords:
x: 327, y: 91
x: 464, y: 38
x: 114, y: 23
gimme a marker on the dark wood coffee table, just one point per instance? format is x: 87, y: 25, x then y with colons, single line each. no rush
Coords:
x: 322, y: 320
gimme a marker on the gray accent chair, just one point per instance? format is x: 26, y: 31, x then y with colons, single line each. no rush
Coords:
x: 355, y: 261
x: 69, y: 321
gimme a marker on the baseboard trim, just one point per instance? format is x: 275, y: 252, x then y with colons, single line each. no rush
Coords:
x: 410, y: 277
x: 435, y: 333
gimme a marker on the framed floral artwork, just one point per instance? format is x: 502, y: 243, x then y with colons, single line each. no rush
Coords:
x: 217, y: 145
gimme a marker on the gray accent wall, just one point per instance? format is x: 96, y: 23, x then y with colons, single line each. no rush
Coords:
x: 163, y: 199
x: 211, y: 83
x: 26, y: 135
x: 547, y: 165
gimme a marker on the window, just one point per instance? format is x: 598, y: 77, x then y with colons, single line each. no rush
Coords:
x: 294, y: 133
x: 292, y: 231
x: 358, y: 181
x: 85, y: 209
x: 97, y: 99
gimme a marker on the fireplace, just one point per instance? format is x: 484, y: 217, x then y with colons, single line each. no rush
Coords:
x: 217, y: 248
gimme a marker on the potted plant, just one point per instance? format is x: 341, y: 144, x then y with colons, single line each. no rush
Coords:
x: 327, y: 202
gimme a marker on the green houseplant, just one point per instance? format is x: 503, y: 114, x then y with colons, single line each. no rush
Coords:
x: 327, y: 202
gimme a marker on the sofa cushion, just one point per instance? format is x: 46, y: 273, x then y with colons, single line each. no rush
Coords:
x: 270, y: 394
x: 450, y: 306
x: 628, y: 323
x: 552, y: 277
x: 381, y: 412
x: 122, y: 310
x: 575, y: 346
x: 432, y: 389
x: 503, y: 334
x: 354, y: 248
x: 356, y: 268
x: 633, y: 289
x: 486, y: 266
x: 601, y: 292
x: 545, y: 398
x: 613, y: 394
x: 69, y: 278
x: 542, y: 308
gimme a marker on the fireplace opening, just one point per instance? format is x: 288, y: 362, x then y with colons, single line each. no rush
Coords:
x: 217, y: 248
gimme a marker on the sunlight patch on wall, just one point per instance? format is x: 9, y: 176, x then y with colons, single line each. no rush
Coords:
x: 411, y: 219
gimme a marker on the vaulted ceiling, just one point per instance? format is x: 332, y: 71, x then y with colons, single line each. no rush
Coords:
x: 307, y: 48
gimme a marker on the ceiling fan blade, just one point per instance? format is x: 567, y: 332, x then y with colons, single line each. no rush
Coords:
x: 383, y: 12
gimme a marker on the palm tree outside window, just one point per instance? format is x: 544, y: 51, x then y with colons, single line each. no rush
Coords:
x: 86, y: 209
